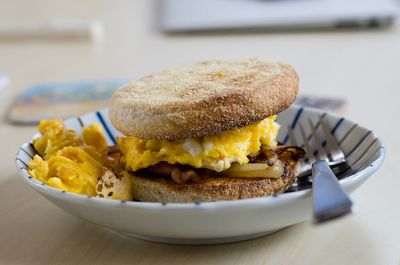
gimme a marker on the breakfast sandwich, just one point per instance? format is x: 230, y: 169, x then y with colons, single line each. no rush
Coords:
x: 207, y: 131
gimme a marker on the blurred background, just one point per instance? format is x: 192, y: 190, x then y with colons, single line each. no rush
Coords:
x: 56, y: 53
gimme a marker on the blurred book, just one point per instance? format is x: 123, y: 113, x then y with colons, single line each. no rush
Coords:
x: 223, y: 15
x: 61, y: 100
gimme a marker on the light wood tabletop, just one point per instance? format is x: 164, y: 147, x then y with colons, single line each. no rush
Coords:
x: 360, y: 66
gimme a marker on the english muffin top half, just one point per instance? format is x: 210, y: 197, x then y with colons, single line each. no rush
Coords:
x: 202, y: 99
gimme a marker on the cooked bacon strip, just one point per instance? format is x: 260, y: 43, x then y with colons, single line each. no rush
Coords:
x: 179, y: 174
x: 176, y: 172
x: 269, y: 156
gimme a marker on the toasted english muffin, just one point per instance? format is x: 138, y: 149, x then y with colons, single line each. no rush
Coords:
x: 202, y: 99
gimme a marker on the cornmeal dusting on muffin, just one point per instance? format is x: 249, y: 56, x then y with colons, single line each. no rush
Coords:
x: 220, y: 73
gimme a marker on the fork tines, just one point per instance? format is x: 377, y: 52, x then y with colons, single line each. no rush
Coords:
x: 319, y: 144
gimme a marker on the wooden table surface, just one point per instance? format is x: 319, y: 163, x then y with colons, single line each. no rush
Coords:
x: 361, y: 66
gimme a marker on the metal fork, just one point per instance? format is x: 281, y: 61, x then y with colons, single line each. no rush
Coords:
x: 329, y: 199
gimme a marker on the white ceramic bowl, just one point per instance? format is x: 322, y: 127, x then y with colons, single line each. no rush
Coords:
x: 212, y: 222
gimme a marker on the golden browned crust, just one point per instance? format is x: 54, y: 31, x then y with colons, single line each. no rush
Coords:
x: 203, y: 99
x: 154, y: 189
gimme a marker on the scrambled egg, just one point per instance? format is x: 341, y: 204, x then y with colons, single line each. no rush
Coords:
x: 77, y: 164
x: 215, y: 152
x: 70, y: 169
x: 54, y: 137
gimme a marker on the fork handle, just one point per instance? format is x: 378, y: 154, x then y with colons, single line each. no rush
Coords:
x: 329, y: 199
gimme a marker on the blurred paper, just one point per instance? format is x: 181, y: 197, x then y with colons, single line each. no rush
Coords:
x: 57, y: 29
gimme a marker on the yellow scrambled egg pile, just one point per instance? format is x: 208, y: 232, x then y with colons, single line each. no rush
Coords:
x: 215, y: 152
x: 79, y: 164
